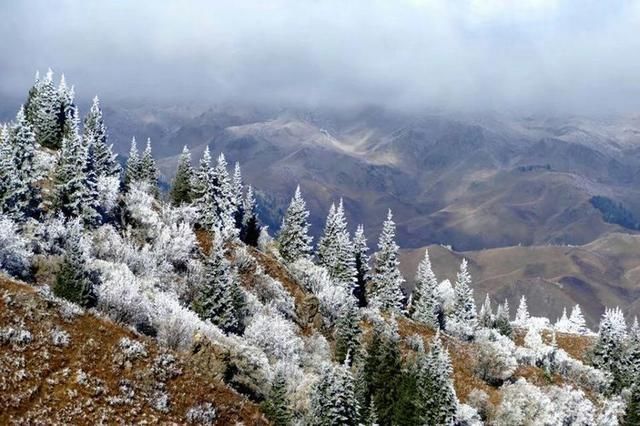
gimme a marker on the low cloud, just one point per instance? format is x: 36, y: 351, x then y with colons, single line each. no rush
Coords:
x: 526, y: 56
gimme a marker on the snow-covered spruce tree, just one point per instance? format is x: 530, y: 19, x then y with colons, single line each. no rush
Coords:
x: 220, y: 298
x: 333, y: 400
x: 225, y: 204
x: 386, y: 282
x: 70, y: 180
x: 335, y: 251
x: 276, y: 406
x: 485, y: 317
x: 425, y: 304
x: 577, y: 321
x: 522, y: 314
x: 563, y: 323
x: 202, y: 196
x: 20, y: 193
x: 95, y: 130
x: 237, y: 195
x: 464, y: 319
x: 74, y: 281
x: 361, y: 257
x: 148, y: 168
x: 68, y: 113
x: 436, y: 386
x: 91, y: 209
x: 133, y: 169
x: 42, y: 111
x: 294, y: 241
x: 250, y: 227
x: 503, y: 321
x: 382, y: 367
x: 609, y: 349
x: 15, y: 253
x: 632, y: 411
x: 347, y: 332
x: 181, y: 190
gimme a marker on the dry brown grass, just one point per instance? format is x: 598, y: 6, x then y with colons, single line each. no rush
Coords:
x: 42, y: 386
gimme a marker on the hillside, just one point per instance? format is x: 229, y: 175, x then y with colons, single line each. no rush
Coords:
x: 63, y: 365
x: 595, y: 275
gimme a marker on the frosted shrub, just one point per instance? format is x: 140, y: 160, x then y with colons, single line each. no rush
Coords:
x: 51, y: 235
x: 15, y: 336
x: 175, y: 325
x: 120, y: 295
x: 175, y: 243
x: 108, y: 190
x: 275, y: 335
x: 271, y: 291
x: 142, y: 210
x: 60, y: 337
x: 14, y: 252
x: 316, y: 351
x: 572, y: 407
x: 202, y: 414
x: 495, y: 361
x: 243, y: 260
x: 132, y: 349
x: 523, y: 403
x: 468, y: 416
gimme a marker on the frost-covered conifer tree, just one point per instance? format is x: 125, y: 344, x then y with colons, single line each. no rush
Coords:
x: 387, y: 280
x: 335, y: 251
x: 348, y: 331
x: 43, y: 111
x: 67, y: 113
x: 95, y: 130
x: 522, y: 314
x: 425, y: 302
x: 133, y: 170
x: 609, y: 349
x: 563, y: 323
x: 485, y: 317
x: 237, y: 193
x: 503, y: 321
x: 220, y: 298
x: 436, y: 383
x: 91, y: 209
x: 277, y: 404
x: 225, y: 206
x: 70, y: 179
x: 577, y: 321
x: 361, y: 257
x: 181, y: 190
x: 333, y: 400
x: 148, y: 168
x: 202, y: 196
x: 20, y: 192
x: 250, y: 227
x: 294, y: 240
x: 73, y: 281
x: 464, y: 317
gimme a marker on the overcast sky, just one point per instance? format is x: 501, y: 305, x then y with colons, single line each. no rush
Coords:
x: 531, y: 55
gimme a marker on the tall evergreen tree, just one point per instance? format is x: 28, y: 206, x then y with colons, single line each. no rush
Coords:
x: 522, y: 314
x: 361, y: 257
x: 22, y: 197
x: 333, y: 400
x: 608, y: 352
x: 202, y: 196
x: 277, y: 405
x: 250, y: 227
x: 577, y: 321
x: 464, y: 311
x: 91, y: 213
x: 42, y: 111
x: 425, y: 302
x: 148, y: 168
x: 181, y: 190
x: 106, y: 163
x: 237, y: 189
x: 387, y: 280
x: 294, y: 240
x: 485, y: 317
x: 436, y: 386
x: 503, y: 322
x: 347, y: 333
x: 70, y: 178
x: 133, y: 171
x: 335, y: 251
x: 67, y: 112
x: 220, y: 298
x: 73, y: 281
x: 225, y: 207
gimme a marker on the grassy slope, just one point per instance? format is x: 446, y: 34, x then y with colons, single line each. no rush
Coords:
x: 40, y: 381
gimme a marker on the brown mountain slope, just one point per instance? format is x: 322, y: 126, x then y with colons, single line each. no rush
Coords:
x: 93, y: 375
x: 603, y: 273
